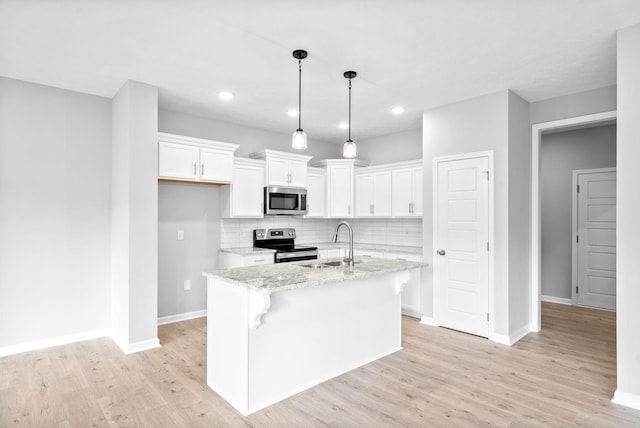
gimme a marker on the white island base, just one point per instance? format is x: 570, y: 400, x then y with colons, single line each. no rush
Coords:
x: 264, y: 347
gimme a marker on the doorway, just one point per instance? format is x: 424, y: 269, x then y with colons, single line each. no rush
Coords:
x: 536, y: 211
x: 462, y: 238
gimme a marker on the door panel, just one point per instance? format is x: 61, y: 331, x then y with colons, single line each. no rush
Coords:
x: 596, y: 246
x: 462, y: 232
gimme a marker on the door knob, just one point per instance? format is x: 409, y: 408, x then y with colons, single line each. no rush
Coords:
x: 441, y: 252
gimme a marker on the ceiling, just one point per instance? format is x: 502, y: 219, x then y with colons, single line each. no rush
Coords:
x: 417, y: 54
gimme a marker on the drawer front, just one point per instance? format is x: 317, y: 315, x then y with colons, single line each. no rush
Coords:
x: 261, y: 259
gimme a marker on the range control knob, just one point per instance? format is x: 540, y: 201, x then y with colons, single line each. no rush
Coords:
x: 291, y: 233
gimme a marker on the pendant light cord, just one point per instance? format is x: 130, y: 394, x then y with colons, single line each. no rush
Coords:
x: 299, y: 94
x: 349, y: 110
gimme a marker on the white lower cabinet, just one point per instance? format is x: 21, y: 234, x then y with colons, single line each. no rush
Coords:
x: 331, y: 253
x: 231, y: 260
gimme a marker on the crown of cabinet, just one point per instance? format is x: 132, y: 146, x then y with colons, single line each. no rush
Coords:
x: 283, y: 168
x: 324, y: 163
x: 199, y: 142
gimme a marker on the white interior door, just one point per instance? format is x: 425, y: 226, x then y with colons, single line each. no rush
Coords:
x: 461, y: 263
x: 596, y: 239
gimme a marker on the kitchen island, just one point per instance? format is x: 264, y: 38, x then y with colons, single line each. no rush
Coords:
x: 276, y: 330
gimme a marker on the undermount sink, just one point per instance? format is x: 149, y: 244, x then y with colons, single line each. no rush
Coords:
x: 326, y: 265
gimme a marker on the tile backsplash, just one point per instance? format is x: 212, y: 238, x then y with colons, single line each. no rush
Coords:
x: 236, y: 233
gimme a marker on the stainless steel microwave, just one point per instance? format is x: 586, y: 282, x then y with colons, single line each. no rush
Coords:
x: 285, y: 200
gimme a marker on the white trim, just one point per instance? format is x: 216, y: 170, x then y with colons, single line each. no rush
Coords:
x: 574, y: 225
x: 510, y: 340
x: 626, y: 399
x: 428, y: 321
x: 130, y: 348
x: 53, y: 341
x: 536, y: 134
x: 488, y: 154
x: 559, y: 300
x: 182, y: 317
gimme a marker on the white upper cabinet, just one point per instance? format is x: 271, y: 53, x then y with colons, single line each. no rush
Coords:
x: 316, y: 192
x: 284, y: 168
x: 244, y: 198
x: 194, y: 159
x: 340, y: 185
x: 407, y: 191
x: 373, y: 192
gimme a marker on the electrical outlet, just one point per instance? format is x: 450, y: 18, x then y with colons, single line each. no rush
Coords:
x: 180, y: 235
x: 187, y: 284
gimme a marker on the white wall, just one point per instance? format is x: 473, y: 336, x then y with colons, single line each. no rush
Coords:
x: 55, y: 210
x: 401, y: 146
x: 250, y: 139
x: 572, y: 105
x: 135, y: 216
x: 628, y: 209
x: 193, y: 209
x: 481, y: 124
x: 560, y: 154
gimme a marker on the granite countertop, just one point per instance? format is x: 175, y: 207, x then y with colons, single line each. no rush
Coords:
x: 288, y: 276
x: 401, y: 249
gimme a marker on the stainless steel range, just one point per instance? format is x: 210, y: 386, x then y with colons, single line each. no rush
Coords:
x: 283, y: 241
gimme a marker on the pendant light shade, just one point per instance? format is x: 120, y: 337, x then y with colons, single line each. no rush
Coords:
x: 299, y: 137
x: 349, y: 148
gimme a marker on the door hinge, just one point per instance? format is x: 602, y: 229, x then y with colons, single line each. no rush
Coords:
x: 577, y: 239
x: 487, y: 316
x: 487, y: 245
x: 486, y: 172
x: 578, y: 188
x: 577, y: 288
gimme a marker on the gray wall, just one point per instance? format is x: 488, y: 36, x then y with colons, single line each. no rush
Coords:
x: 628, y: 213
x: 560, y: 154
x: 482, y: 124
x: 134, y: 226
x: 250, y: 139
x: 579, y: 104
x: 193, y: 209
x: 519, y: 134
x: 401, y: 146
x: 55, y: 210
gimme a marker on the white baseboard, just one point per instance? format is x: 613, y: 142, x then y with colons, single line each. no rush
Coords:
x: 182, y: 317
x: 428, y: 321
x: 53, y: 341
x: 511, y: 339
x: 560, y: 300
x: 130, y: 348
x: 626, y: 399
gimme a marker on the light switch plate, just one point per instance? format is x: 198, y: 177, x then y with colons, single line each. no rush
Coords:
x: 187, y: 284
x: 180, y: 235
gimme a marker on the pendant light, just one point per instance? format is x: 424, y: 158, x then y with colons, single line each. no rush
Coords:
x: 299, y: 138
x: 349, y: 148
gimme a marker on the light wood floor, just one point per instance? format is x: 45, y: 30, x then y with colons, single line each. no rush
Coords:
x: 563, y: 376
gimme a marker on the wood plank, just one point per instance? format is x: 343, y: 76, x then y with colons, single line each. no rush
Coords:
x: 563, y: 376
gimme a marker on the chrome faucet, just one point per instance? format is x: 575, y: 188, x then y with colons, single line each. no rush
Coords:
x: 347, y: 260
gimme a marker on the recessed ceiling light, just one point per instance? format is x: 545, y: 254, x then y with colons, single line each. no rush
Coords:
x: 293, y: 113
x: 343, y: 125
x: 225, y: 95
x: 397, y: 110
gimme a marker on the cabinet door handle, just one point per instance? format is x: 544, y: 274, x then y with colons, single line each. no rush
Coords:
x: 258, y: 261
x: 371, y: 209
x: 349, y: 209
x: 202, y: 169
x: 195, y: 166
